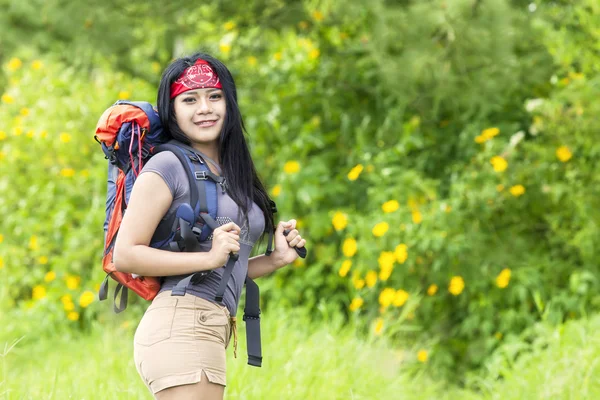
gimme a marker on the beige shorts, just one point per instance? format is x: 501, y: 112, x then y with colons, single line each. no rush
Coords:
x: 178, y: 338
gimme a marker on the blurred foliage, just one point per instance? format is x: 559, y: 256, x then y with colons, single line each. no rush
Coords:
x: 439, y: 155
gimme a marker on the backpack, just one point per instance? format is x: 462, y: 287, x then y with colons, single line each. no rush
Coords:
x: 130, y: 133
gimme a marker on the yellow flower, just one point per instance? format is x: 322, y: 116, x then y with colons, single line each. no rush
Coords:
x: 2, y: 135
x: 7, y: 99
x: 278, y: 56
x: 380, y: 229
x: 457, y: 285
x: 155, y: 67
x: 500, y: 187
x: 371, y: 279
x: 298, y: 263
x: 432, y: 289
x: 339, y: 220
x: 1, y: 262
x: 563, y: 153
x: 480, y: 139
x: 67, y: 172
x: 252, y: 61
x: 390, y: 206
x: 417, y: 217
x: 18, y: 131
x: 401, y: 253
x: 229, y: 25
x: 357, y: 281
x: 400, y: 298
x: 65, y: 137
x: 276, y: 190
x: 73, y: 315
x: 291, y: 167
x: 346, y: 265
x: 50, y: 276
x: 124, y: 95
x: 85, y: 173
x: 503, y: 278
x: 303, y: 24
x: 66, y: 299
x: 490, y: 133
x: 39, y: 292
x: 225, y: 47
x: 73, y: 282
x: 24, y: 111
x: 14, y: 64
x: 37, y: 65
x: 349, y: 247
x: 379, y: 326
x: 357, y: 303
x: 30, y: 134
x: 314, y: 54
x: 386, y: 297
x: 386, y: 264
x: 43, y: 134
x: 86, y: 299
x: 33, y: 243
x: 317, y: 15
x: 517, y: 190
x: 422, y: 355
x: 499, y: 164
x: 315, y: 121
x: 355, y: 172
x: 498, y: 335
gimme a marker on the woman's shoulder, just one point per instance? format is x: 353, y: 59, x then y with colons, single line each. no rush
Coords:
x: 164, y: 159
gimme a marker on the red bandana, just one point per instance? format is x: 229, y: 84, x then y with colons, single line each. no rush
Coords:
x: 198, y: 76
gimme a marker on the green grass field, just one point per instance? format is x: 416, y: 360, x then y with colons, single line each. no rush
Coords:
x: 302, y: 361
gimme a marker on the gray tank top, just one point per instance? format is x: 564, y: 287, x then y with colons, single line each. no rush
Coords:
x: 168, y: 166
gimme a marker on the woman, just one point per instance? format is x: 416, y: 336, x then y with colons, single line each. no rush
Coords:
x: 179, y: 345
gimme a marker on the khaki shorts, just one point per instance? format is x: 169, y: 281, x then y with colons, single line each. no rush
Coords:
x: 178, y: 338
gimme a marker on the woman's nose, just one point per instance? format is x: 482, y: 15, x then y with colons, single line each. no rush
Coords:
x: 204, y: 106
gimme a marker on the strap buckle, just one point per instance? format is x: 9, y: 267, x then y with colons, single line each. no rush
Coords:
x: 200, y: 175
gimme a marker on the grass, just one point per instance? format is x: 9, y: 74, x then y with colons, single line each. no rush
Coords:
x: 302, y: 361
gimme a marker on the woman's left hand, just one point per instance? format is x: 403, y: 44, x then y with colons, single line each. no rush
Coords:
x: 284, y: 245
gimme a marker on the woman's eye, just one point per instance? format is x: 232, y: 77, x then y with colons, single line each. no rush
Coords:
x: 216, y: 96
x: 189, y: 100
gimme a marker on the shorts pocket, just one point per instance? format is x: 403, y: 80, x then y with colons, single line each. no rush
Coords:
x: 157, y: 322
x: 214, y: 323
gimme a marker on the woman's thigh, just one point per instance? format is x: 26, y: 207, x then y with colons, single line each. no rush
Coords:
x: 203, y: 390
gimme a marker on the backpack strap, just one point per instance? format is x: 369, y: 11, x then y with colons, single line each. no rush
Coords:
x: 252, y: 319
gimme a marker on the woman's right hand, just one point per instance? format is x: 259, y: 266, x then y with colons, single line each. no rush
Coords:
x: 226, y: 239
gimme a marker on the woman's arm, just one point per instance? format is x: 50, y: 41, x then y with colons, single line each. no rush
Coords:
x: 149, y: 201
x: 262, y: 265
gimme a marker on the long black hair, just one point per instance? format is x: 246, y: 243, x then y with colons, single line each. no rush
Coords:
x: 236, y: 163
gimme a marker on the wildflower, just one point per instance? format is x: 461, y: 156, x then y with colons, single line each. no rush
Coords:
x: 50, y: 276
x: 357, y: 281
x: 73, y: 282
x: 499, y: 163
x: 37, y: 65
x: 298, y: 262
x: 302, y: 24
x: 291, y: 167
x: 457, y: 284
x: 86, y: 299
x: 317, y: 15
x: 155, y: 67
x: 24, y: 111
x: 503, y: 278
x: 500, y: 187
x: 14, y: 64
x: 490, y: 133
x: 18, y: 131
x: 386, y: 297
x: 33, y: 243
x: 422, y: 355
x: 7, y: 99
x: 386, y: 259
x: 346, y: 265
x: 417, y: 217
x: 379, y: 326
x: 401, y: 253
x: 357, y: 303
x: 432, y: 289
x: 355, y: 172
x: 278, y: 56
x: 2, y: 135
x: 349, y: 247
x: 315, y: 121
x: 229, y: 25
x: 67, y: 172
x: 225, y: 47
x: 276, y: 190
x: 563, y: 153
x: 38, y: 292
x: 65, y: 137
x: 1, y: 262
x: 252, y: 61
x: 73, y: 315
x: 314, y: 54
x: 124, y: 95
x: 400, y: 298
x: 380, y: 229
x: 339, y: 221
x: 371, y: 279
x: 498, y: 335
x: 390, y: 206
x: 517, y: 190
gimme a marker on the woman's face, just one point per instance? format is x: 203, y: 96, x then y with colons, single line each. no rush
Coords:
x: 200, y: 114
